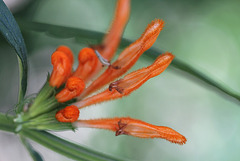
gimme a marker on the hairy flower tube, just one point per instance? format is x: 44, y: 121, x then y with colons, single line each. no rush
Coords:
x: 67, y: 91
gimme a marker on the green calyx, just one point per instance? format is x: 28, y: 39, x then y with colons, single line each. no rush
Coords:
x: 39, y: 113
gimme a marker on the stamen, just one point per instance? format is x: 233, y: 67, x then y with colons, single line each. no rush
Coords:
x: 128, y: 57
x: 129, y: 83
x: 74, y: 87
x: 87, y: 64
x: 62, y: 67
x: 102, y: 59
x: 133, y: 127
x: 68, y: 114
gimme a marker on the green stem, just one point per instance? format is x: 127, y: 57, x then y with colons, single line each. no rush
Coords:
x: 213, y: 82
x: 64, y: 147
x: 178, y: 64
x: 21, y: 92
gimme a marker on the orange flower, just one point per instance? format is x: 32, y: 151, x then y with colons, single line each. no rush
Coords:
x: 87, y: 64
x: 68, y: 114
x: 90, y: 60
x: 73, y: 88
x: 133, y: 127
x: 62, y: 60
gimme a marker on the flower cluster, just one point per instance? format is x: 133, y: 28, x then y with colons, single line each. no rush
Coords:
x: 68, y: 90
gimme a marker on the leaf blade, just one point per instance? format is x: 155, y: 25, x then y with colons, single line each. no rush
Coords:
x: 34, y: 154
x: 11, y: 32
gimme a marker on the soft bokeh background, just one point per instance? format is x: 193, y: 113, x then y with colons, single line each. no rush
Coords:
x: 204, y: 34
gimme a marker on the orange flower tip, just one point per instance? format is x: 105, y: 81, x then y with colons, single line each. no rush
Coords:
x: 87, y: 63
x: 62, y: 67
x: 74, y: 87
x: 67, y: 51
x: 138, y: 128
x: 68, y: 114
x: 85, y: 55
x: 151, y: 33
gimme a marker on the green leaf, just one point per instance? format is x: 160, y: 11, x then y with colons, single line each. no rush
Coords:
x: 34, y: 154
x: 94, y: 37
x: 10, y: 30
x: 64, y: 147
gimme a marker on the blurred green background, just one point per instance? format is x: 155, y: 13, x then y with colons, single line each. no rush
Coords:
x: 204, y: 34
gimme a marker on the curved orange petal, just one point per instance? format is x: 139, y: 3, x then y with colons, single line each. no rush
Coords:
x: 74, y: 87
x: 68, y: 114
x: 62, y: 68
x: 87, y: 64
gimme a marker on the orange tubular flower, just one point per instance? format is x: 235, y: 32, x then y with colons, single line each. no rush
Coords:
x: 128, y: 57
x: 62, y: 67
x: 133, y: 127
x: 74, y: 87
x: 87, y: 64
x: 90, y: 60
x: 130, y: 82
x: 68, y: 114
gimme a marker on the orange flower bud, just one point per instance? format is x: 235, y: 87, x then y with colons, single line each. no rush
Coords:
x: 87, y: 64
x: 67, y: 51
x: 68, y: 114
x: 62, y: 67
x: 73, y: 88
x: 128, y: 57
x: 133, y: 127
x: 130, y: 82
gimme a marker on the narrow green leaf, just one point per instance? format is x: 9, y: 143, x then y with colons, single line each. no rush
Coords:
x: 86, y: 36
x: 64, y: 147
x: 10, y: 30
x: 34, y: 154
